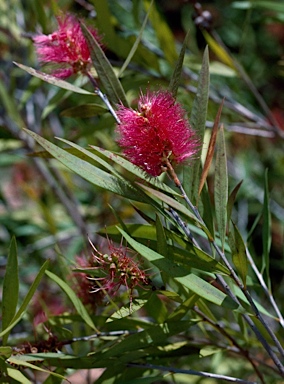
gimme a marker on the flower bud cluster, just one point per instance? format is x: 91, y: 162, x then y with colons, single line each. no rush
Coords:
x: 110, y: 272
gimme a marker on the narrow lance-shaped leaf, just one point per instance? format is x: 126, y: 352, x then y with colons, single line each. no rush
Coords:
x: 88, y: 171
x: 53, y: 80
x: 219, y: 50
x: 16, y: 374
x: 221, y: 186
x: 211, y: 148
x: 163, y: 33
x: 130, y: 167
x: 162, y: 246
x: 27, y: 299
x: 188, y: 280
x: 231, y: 200
x: 107, y: 76
x: 74, y: 298
x: 10, y: 288
x: 266, y: 231
x: 191, y: 174
x: 137, y: 41
x: 238, y: 250
x: 25, y: 364
x: 175, y: 80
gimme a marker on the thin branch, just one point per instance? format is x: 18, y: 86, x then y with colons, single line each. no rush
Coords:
x: 103, y: 97
x: 220, y: 329
x: 190, y: 372
x: 265, y: 288
x: 233, y: 275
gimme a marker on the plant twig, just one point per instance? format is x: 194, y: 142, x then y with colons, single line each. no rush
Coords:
x: 103, y: 97
x: 265, y: 288
x: 190, y: 372
x: 220, y: 329
x: 233, y: 275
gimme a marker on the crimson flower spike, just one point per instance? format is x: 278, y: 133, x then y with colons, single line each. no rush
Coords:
x: 157, y: 134
x: 65, y: 48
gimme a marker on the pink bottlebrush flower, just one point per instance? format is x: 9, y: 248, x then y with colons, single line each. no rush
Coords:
x: 66, y: 47
x: 114, y: 270
x: 159, y: 130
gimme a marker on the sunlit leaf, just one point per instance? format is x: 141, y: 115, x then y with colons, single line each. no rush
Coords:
x: 219, y: 50
x: 127, y: 310
x: 17, y: 375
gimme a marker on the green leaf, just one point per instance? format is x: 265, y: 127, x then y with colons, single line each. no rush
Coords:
x: 19, y: 360
x: 136, y: 43
x: 89, y: 172
x: 221, y: 186
x: 231, y: 200
x: 18, y: 376
x: 127, y: 310
x: 154, y: 335
x: 185, y: 255
x: 5, y: 352
x: 74, y: 299
x: 53, y: 80
x: 180, y: 274
x: 266, y: 231
x: 91, y: 155
x: 177, y: 206
x: 27, y: 299
x: 163, y: 33
x: 134, y: 169
x: 104, y: 70
x: 192, y: 173
x: 219, y: 51
x: 238, y: 250
x: 183, y: 308
x: 175, y: 80
x: 162, y: 246
x: 10, y: 288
